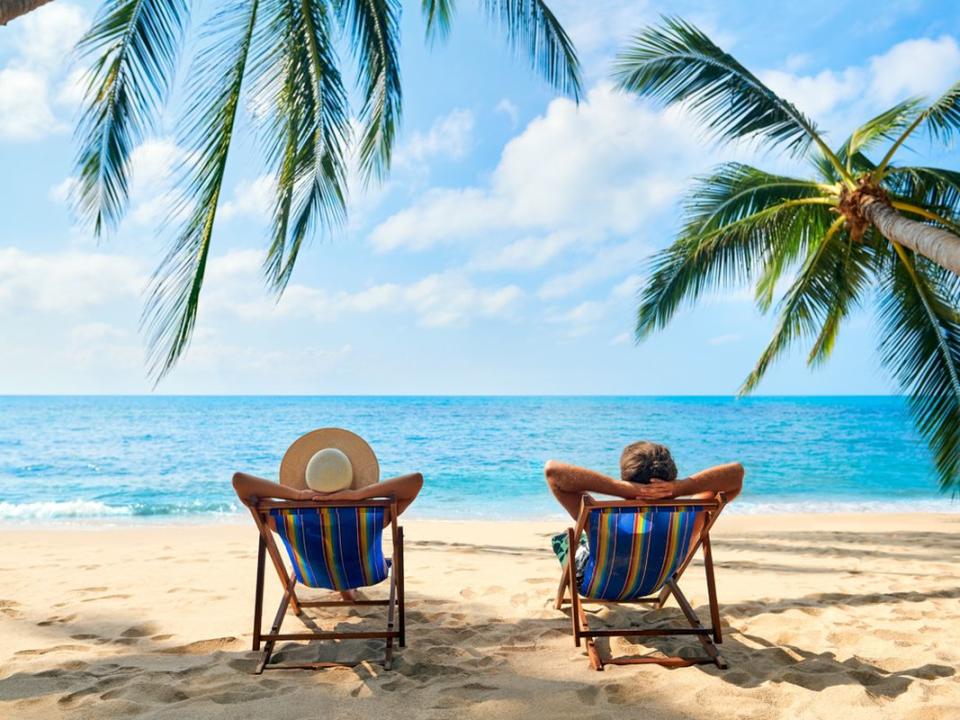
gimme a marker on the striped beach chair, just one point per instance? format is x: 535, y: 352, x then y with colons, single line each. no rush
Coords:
x: 334, y: 546
x: 637, y: 552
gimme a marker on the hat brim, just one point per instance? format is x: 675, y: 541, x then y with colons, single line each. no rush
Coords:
x: 293, y: 467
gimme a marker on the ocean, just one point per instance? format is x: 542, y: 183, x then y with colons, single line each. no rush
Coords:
x: 156, y: 458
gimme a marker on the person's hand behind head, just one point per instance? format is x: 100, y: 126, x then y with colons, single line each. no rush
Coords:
x: 347, y: 495
x: 656, y: 489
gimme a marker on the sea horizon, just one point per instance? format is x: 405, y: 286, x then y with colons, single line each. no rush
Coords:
x: 123, y: 458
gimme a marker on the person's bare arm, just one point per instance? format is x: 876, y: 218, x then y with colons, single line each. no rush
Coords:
x: 403, y: 488
x: 248, y: 486
x: 707, y: 483
x: 570, y: 483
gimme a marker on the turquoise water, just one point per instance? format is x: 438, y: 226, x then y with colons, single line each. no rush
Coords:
x: 122, y: 458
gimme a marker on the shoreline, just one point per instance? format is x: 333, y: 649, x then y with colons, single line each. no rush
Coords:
x: 742, y: 521
x: 759, y: 512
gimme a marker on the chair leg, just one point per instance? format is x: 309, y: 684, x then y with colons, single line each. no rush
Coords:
x: 663, y: 596
x: 574, y: 592
x: 388, y: 661
x: 401, y: 602
x: 712, y: 591
x: 274, y: 629
x: 258, y: 594
x: 596, y: 661
x: 694, y: 621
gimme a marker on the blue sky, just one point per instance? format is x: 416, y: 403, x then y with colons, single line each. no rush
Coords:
x: 501, y: 256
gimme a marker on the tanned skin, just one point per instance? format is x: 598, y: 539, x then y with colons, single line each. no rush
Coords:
x: 570, y: 483
x: 403, y: 488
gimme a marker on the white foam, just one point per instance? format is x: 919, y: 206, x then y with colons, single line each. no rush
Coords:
x: 65, y: 509
x: 754, y: 507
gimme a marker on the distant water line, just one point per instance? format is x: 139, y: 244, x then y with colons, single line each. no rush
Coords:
x: 124, y: 459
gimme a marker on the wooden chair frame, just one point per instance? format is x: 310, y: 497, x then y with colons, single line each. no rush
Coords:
x: 260, y: 509
x: 709, y: 637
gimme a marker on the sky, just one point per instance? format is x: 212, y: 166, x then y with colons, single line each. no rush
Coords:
x: 503, y: 253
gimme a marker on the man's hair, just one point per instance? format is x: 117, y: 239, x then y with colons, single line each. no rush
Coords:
x: 642, y: 461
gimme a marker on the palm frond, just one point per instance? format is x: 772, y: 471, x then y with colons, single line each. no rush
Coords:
x: 210, y: 117
x: 677, y: 63
x: 308, y: 126
x: 853, y: 275
x: 531, y: 26
x: 374, y: 30
x: 438, y: 14
x: 935, y: 189
x: 885, y: 126
x: 941, y: 119
x: 730, y: 234
x: 920, y: 344
x: 834, y: 274
x: 136, y: 44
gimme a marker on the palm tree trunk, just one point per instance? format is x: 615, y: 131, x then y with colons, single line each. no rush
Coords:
x: 12, y: 9
x: 935, y: 243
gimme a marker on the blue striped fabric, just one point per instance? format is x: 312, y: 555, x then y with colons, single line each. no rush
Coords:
x: 634, y: 551
x: 338, y: 548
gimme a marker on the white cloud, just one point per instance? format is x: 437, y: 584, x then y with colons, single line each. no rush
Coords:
x: 724, y: 339
x: 587, y: 315
x: 251, y: 198
x: 915, y: 67
x: 450, y: 136
x: 93, y: 344
x: 63, y: 190
x: 153, y: 195
x: 25, y: 112
x: 45, y: 36
x: 509, y: 109
x: 605, y: 167
x: 526, y: 253
x: 66, y: 283
x: 41, y: 42
x: 603, y: 263
x: 920, y: 67
x: 580, y: 318
x: 599, y: 28
x: 448, y: 298
x: 817, y: 94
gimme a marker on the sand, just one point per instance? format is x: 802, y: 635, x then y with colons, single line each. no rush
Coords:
x: 848, y: 617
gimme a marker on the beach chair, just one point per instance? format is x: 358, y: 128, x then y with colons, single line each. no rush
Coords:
x: 332, y: 545
x: 638, y: 551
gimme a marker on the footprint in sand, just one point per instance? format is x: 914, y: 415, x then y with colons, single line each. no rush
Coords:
x: 202, y: 647
x: 56, y: 620
x: 147, y: 692
x: 139, y: 631
x: 9, y: 608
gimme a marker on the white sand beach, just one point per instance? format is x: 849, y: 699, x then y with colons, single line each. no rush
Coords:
x: 826, y: 616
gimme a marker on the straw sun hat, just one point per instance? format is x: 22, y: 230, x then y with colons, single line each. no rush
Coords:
x: 329, y: 459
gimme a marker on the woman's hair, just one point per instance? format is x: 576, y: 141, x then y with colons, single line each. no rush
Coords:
x: 642, y: 461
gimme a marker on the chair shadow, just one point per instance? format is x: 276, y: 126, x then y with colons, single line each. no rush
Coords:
x: 754, y: 660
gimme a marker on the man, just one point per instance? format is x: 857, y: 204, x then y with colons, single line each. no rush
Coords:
x: 647, y: 472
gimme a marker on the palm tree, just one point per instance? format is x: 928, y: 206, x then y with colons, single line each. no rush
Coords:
x: 279, y: 56
x: 860, y: 229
